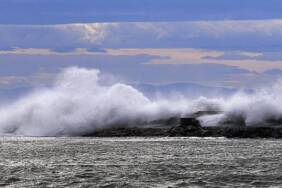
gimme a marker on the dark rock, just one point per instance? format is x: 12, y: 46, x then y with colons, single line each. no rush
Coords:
x: 128, y: 132
x: 190, y: 123
x: 172, y: 121
x: 206, y: 112
x: 190, y: 126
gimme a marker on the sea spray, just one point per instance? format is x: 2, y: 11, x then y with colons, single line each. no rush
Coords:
x: 78, y: 103
x: 261, y: 108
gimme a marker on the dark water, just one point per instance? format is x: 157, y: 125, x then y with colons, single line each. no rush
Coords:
x: 139, y: 162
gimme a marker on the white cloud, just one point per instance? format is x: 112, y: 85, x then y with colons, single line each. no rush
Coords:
x: 94, y: 33
x: 55, y: 37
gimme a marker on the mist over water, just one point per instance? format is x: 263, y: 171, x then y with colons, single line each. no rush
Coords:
x: 78, y: 103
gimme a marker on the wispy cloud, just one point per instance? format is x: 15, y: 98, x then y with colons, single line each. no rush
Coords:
x: 262, y: 35
x: 195, y: 51
x: 27, y: 69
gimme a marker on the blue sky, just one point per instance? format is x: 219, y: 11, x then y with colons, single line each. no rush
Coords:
x: 87, y: 11
x: 220, y: 42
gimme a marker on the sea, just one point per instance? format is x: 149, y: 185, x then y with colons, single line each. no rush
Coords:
x: 139, y: 162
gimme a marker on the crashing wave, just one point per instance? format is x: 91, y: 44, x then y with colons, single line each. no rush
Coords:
x: 78, y: 103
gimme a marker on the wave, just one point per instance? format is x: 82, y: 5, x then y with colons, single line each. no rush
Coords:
x: 78, y: 102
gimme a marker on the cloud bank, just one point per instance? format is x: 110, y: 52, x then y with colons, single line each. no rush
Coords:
x: 263, y: 35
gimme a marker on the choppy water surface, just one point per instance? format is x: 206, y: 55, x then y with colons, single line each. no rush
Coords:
x: 139, y: 162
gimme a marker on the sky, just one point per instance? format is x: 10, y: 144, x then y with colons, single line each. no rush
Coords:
x: 217, y: 43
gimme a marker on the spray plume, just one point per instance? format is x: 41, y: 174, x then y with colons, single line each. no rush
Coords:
x: 78, y: 103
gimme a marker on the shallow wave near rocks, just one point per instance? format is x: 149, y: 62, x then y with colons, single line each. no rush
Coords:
x: 78, y: 102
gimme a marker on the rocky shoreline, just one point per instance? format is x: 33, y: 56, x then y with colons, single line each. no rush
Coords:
x: 190, y: 127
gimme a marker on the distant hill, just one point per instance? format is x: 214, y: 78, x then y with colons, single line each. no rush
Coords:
x: 187, y: 89
x: 167, y: 90
x: 13, y: 93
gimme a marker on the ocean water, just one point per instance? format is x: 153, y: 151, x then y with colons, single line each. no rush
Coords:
x: 140, y: 162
